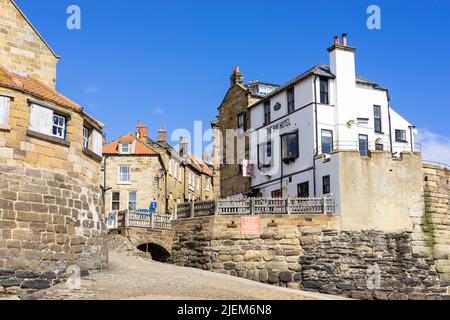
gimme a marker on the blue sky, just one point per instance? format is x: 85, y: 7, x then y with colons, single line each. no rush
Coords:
x: 168, y: 63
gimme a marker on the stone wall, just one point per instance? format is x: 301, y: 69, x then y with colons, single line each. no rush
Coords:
x: 379, y: 192
x: 51, y: 210
x: 235, y: 102
x: 48, y: 221
x: 311, y: 253
x: 22, y: 48
x: 432, y: 227
x: 144, y: 173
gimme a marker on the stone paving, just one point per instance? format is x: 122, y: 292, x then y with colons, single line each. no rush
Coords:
x: 137, y: 278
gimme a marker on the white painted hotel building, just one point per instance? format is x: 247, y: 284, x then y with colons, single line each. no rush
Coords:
x: 300, y: 128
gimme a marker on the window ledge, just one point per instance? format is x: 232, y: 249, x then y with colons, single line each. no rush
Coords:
x: 37, y: 135
x: 124, y: 183
x: 5, y: 128
x: 92, y: 155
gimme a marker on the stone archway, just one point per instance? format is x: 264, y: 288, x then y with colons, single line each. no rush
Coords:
x: 157, y: 252
x: 156, y: 242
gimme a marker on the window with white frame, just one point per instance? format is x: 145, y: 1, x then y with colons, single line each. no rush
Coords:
x: 175, y: 170
x: 132, y: 200
x: 170, y: 166
x: 124, y: 174
x: 59, y: 126
x: 180, y: 173
x: 45, y: 121
x: 85, y: 138
x: 125, y: 148
x: 4, y: 111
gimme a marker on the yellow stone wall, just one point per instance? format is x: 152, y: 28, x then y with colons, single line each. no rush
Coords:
x: 145, y: 171
x: 21, y: 47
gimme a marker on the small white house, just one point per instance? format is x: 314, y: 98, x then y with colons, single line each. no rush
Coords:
x: 326, y: 110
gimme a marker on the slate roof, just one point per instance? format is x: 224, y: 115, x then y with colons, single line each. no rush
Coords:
x: 321, y: 70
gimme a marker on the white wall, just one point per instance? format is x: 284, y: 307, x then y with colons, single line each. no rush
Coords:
x: 349, y: 101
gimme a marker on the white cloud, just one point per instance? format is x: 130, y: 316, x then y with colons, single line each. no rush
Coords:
x: 435, y: 147
x: 91, y: 90
x: 158, y: 111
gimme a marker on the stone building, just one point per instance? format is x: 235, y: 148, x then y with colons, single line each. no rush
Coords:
x: 134, y: 175
x: 154, y: 172
x: 234, y: 116
x: 51, y: 214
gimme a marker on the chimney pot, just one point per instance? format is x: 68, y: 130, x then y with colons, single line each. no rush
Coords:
x: 237, y: 77
x: 344, y: 39
x: 336, y: 40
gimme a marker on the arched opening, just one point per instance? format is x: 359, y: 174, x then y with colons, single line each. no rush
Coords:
x: 157, y: 252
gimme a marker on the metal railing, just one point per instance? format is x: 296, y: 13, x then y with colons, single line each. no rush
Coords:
x: 134, y: 219
x: 255, y: 206
x: 436, y: 164
x: 369, y: 147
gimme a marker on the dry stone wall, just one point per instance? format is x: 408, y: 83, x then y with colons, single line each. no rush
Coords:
x: 310, y: 253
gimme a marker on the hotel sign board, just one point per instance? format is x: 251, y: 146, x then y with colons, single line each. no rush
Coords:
x: 250, y: 226
x: 279, y: 126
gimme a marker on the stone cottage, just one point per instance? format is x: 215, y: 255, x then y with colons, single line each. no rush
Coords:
x: 139, y: 171
x: 51, y: 214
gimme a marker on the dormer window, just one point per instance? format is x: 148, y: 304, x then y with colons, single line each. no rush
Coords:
x: 125, y: 148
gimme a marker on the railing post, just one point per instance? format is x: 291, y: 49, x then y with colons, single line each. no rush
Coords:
x: 152, y: 221
x: 324, y: 200
x: 127, y: 219
x: 288, y: 205
x: 216, y: 207
x: 192, y: 207
x: 252, y: 207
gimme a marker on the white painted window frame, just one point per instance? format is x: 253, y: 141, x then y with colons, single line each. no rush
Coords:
x: 120, y: 181
x: 59, y: 126
x: 128, y: 199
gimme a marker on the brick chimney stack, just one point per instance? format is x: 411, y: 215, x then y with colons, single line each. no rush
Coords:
x: 162, y: 134
x: 184, y: 146
x: 141, y: 130
x: 237, y: 77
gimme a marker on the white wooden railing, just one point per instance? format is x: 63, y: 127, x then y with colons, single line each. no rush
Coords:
x: 134, y: 219
x: 256, y: 206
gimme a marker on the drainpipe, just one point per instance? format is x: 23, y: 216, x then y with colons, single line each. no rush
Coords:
x: 104, y: 188
x: 316, y: 135
x: 281, y: 163
x: 390, y: 124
